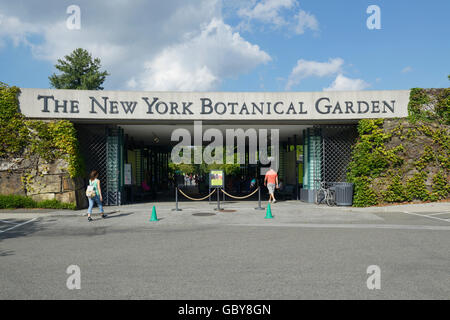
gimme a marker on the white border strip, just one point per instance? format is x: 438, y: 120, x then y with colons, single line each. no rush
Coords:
x: 427, y: 216
x: 18, y: 225
x: 438, y: 214
x: 345, y: 226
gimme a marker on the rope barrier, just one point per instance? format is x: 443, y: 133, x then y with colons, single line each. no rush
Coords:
x: 193, y: 199
x: 240, y: 198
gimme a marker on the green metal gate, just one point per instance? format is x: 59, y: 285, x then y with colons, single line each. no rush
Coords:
x: 114, y: 166
x: 312, y: 157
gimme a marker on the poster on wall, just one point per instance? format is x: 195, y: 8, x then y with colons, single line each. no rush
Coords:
x: 127, y: 174
x: 216, y: 179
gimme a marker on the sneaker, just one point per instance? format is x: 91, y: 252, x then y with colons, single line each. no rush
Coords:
x: 274, y: 201
x: 104, y: 216
x: 89, y: 219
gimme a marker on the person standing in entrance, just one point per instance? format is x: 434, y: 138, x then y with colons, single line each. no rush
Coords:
x: 271, y: 182
x: 97, y: 198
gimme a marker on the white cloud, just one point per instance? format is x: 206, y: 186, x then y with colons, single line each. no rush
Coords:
x: 305, y: 21
x: 14, y: 29
x: 278, y: 13
x: 268, y: 11
x: 181, y: 45
x: 342, y: 83
x: 201, y: 61
x: 305, y: 69
x: 407, y: 69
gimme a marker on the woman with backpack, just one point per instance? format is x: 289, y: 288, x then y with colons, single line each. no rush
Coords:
x: 94, y: 194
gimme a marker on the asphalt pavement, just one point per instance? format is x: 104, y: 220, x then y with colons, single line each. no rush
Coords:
x: 305, y: 252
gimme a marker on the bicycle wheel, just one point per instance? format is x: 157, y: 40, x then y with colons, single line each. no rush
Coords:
x: 331, y: 199
x: 320, y: 196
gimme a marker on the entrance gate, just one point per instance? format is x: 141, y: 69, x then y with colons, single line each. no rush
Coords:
x: 102, y: 150
x: 327, y: 153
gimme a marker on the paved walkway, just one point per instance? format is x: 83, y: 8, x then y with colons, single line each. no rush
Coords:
x: 288, y: 213
x: 305, y: 252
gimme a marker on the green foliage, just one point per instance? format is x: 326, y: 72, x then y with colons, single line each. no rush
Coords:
x: 55, y: 204
x: 203, y: 168
x: 416, y: 188
x: 13, y: 132
x: 50, y: 140
x: 370, y: 156
x: 427, y: 157
x: 79, y: 71
x: 382, y: 158
x: 16, y: 201
x: 429, y: 105
x: 364, y: 195
x: 443, y: 106
x: 441, y: 187
x: 418, y: 98
x: 395, y: 192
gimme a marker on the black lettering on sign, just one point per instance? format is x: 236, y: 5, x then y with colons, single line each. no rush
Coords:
x: 113, y: 107
x: 386, y: 105
x: 74, y: 106
x: 326, y: 109
x: 128, y: 106
x: 63, y: 106
x: 150, y: 105
x: 186, y: 106
x: 95, y: 102
x: 45, y: 102
x: 206, y: 103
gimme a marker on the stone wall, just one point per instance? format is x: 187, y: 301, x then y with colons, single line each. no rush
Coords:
x: 40, y: 180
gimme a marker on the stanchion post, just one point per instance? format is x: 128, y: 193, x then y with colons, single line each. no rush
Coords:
x: 259, y: 200
x: 176, y: 200
x: 218, y: 200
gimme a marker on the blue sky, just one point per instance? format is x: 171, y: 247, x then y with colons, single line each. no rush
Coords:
x: 234, y: 45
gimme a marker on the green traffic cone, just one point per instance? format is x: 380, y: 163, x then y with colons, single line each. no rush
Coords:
x: 154, y: 217
x: 269, y: 212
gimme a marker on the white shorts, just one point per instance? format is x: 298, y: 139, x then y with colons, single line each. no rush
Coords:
x: 271, y: 188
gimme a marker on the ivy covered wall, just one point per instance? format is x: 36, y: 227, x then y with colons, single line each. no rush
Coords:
x: 40, y: 159
x: 404, y: 160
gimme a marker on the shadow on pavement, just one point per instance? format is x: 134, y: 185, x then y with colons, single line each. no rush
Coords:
x: 112, y: 216
x: 18, y: 232
x: 5, y: 253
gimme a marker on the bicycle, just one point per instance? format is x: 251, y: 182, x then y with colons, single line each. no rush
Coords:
x: 324, y: 194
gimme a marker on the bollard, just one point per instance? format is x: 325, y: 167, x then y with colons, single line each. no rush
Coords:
x: 259, y: 200
x: 176, y: 200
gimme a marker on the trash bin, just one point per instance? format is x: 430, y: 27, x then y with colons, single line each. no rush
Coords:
x: 344, y: 193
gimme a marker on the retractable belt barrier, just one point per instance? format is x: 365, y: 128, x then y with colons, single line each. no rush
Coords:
x: 218, y: 198
x: 194, y: 199
x: 240, y: 198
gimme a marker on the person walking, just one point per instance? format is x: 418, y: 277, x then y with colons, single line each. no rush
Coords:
x: 97, y: 195
x: 271, y: 182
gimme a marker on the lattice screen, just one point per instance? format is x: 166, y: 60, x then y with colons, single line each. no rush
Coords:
x: 92, y: 141
x: 337, y: 142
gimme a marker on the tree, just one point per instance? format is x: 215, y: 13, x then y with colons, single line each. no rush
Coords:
x: 78, y: 71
